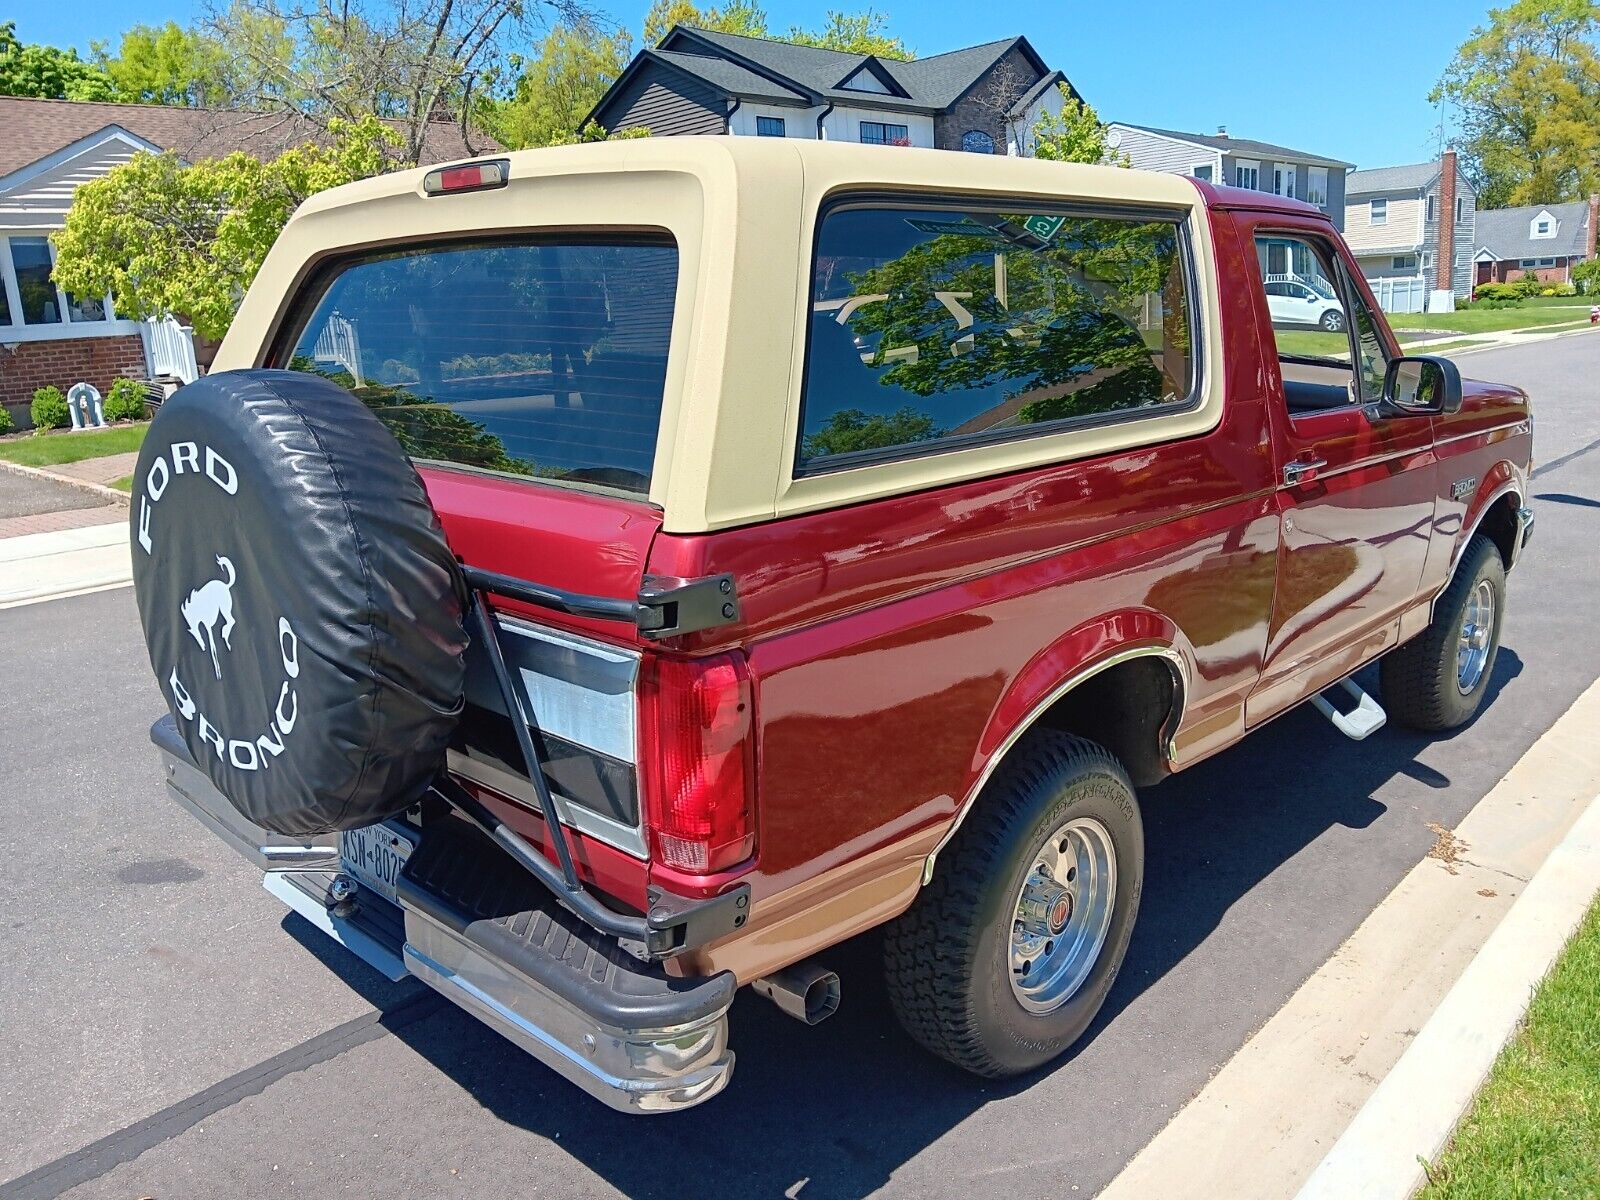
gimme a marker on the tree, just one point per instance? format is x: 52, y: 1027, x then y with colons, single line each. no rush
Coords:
x: 1526, y: 89
x: 743, y: 17
x: 852, y: 429
x: 411, y: 61
x: 854, y: 33
x: 169, y: 65
x: 1075, y: 134
x: 48, y: 72
x: 1587, y: 275
x: 164, y: 238
x: 558, y: 87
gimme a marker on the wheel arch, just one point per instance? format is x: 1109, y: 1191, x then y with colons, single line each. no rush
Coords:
x: 1130, y: 670
x: 1493, y: 513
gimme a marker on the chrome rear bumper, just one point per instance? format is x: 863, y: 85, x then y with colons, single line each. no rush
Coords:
x: 623, y: 1031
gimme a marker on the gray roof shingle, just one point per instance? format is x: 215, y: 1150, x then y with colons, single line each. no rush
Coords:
x: 1504, y: 232
x: 1244, y: 146
x: 730, y: 76
x: 1412, y: 177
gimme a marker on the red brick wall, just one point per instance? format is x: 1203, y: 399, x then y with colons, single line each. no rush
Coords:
x: 1510, y: 270
x: 34, y: 365
x: 1445, y: 257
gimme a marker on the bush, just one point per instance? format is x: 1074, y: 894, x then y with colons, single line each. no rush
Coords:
x: 125, y: 401
x: 49, y: 409
x: 1497, y: 295
x: 6, y: 423
x: 1529, y: 285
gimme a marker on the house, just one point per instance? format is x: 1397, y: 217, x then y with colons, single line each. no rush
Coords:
x: 983, y: 99
x: 50, y: 148
x: 1545, y: 239
x: 1239, y: 162
x: 1411, y: 228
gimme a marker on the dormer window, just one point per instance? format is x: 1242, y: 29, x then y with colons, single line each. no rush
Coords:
x: 1542, y: 226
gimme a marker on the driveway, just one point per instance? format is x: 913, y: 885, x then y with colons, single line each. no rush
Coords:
x: 172, y: 1033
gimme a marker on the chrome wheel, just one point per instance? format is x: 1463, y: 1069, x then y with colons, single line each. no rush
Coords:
x: 1062, y: 913
x: 1477, y: 634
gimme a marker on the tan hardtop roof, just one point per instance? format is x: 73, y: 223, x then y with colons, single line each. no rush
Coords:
x: 888, y: 166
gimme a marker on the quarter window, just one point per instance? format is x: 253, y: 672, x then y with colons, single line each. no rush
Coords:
x: 770, y: 127
x: 932, y: 329
x: 876, y: 133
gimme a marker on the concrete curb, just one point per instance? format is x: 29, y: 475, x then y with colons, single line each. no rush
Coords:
x: 81, y: 484
x: 1412, y: 1113
x: 1521, y: 339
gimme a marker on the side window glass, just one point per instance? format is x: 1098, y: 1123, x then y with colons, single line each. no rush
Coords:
x: 1371, y: 352
x: 934, y: 328
x: 1310, y: 324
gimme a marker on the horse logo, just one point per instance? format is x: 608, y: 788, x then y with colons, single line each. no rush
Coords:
x: 209, y: 603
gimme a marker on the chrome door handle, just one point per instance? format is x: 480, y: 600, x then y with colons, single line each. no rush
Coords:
x: 1303, y: 470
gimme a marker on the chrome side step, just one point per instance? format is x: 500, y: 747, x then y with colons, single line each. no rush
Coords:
x: 1361, y: 722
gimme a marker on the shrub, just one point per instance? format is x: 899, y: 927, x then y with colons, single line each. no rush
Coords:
x: 125, y: 401
x: 6, y: 423
x: 49, y: 409
x: 1503, y: 295
x: 1529, y: 285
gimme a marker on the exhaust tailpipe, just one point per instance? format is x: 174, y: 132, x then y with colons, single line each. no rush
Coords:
x: 807, y: 991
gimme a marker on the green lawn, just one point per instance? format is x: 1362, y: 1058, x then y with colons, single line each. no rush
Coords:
x: 52, y: 448
x: 125, y: 484
x: 1487, y: 320
x: 1534, y: 1131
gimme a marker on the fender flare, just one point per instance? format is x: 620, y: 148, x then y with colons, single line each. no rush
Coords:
x: 1115, y: 639
x: 1502, y: 480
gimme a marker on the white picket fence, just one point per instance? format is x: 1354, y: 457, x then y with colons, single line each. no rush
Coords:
x: 169, y: 347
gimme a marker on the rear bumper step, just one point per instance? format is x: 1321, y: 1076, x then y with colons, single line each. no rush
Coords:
x: 476, y: 928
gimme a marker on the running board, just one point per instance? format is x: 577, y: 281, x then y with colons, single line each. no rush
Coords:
x: 1365, y: 719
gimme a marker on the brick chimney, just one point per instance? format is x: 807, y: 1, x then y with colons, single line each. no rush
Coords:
x: 1594, y: 218
x: 1444, y: 259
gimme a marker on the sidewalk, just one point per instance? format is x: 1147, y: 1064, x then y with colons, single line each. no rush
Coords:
x: 69, y: 562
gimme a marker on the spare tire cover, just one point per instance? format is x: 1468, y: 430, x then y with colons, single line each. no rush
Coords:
x: 302, y: 609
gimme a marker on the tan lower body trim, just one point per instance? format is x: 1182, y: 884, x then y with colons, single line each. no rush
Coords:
x: 821, y: 912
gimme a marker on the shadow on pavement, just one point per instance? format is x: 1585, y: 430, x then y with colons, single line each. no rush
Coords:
x: 843, y: 1105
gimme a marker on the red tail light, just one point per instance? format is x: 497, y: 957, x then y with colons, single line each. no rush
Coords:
x: 695, y: 748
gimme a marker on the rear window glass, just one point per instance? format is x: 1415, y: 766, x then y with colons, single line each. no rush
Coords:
x: 932, y: 329
x: 534, y: 359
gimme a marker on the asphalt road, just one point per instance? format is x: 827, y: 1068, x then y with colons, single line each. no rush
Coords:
x: 24, y: 495
x: 169, y: 1031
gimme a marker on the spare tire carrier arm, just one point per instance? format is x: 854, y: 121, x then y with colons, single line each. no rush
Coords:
x: 673, y: 923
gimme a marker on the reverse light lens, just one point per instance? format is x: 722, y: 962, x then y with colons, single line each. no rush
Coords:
x: 697, y: 735
x: 469, y: 177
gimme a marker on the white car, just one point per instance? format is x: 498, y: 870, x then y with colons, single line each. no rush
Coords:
x: 1293, y: 303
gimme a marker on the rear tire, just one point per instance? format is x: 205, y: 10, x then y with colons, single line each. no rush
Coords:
x: 951, y: 959
x: 1438, y: 679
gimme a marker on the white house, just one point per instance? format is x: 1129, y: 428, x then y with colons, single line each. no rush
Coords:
x: 1411, y: 228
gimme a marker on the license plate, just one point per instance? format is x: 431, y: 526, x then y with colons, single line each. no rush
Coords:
x: 374, y: 856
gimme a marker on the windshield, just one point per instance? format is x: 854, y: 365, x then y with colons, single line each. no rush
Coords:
x: 537, y: 359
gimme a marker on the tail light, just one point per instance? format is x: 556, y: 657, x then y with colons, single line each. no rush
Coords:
x: 695, y: 744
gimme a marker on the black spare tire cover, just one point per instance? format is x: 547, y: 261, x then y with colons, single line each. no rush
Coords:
x: 302, y: 609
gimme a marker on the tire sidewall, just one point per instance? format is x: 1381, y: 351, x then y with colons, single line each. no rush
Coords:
x: 1020, y: 1039
x: 1484, y: 564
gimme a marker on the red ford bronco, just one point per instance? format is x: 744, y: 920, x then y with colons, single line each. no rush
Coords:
x: 596, y: 579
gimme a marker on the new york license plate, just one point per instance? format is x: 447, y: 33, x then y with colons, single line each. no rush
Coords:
x: 374, y: 855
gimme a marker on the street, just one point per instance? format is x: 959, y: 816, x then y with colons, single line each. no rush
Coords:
x: 170, y: 1031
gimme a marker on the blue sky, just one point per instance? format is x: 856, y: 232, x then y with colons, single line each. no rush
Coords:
x: 1349, y: 80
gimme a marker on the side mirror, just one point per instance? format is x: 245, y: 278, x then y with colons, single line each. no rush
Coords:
x: 1422, y: 385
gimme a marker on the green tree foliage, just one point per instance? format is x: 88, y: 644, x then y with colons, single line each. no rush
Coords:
x: 855, y: 33
x: 852, y: 429
x: 165, y: 238
x: 559, y: 85
x: 48, y: 72
x: 743, y: 17
x: 1075, y: 134
x: 169, y: 65
x: 1587, y: 275
x: 1526, y: 89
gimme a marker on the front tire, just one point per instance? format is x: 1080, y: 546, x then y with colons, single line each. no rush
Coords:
x: 1438, y: 679
x: 1007, y: 955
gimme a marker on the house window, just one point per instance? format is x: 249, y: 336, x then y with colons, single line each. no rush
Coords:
x: 1403, y: 262
x: 1461, y: 209
x: 1433, y: 206
x: 1534, y: 263
x: 1543, y: 227
x: 1203, y: 171
x: 976, y: 141
x: 1247, y: 175
x: 41, y: 301
x: 1427, y: 260
x: 770, y: 127
x: 1378, y: 212
x: 1317, y: 186
x: 876, y: 133
x: 1282, y: 180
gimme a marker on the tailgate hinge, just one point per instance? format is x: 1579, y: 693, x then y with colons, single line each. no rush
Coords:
x: 672, y: 607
